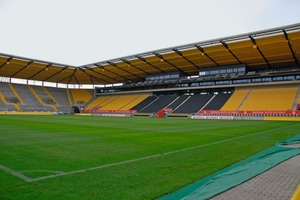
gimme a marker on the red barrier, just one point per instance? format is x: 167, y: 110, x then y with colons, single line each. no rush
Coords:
x: 160, y: 114
x: 109, y: 111
x: 251, y: 112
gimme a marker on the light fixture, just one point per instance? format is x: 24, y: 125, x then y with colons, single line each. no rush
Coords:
x: 202, y: 54
x: 254, y: 47
x: 7, y: 63
x: 161, y: 60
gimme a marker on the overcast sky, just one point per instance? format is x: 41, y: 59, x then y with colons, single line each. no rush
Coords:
x: 78, y: 32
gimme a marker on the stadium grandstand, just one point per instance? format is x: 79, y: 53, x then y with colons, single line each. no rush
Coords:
x: 249, y: 75
x: 241, y: 78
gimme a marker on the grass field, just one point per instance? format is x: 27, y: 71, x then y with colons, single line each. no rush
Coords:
x: 79, y: 157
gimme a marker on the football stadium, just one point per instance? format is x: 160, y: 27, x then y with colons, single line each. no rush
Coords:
x: 212, y: 119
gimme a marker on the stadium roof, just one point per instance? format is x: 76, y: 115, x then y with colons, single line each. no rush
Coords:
x: 272, y: 48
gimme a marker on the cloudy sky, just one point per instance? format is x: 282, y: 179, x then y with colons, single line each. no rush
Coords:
x: 78, y: 32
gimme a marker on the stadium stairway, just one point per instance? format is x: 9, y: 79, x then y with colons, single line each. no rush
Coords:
x: 18, y: 108
x: 15, y: 93
x: 2, y: 98
x: 36, y: 95
x: 70, y: 98
x: 245, y: 99
x: 50, y: 95
x: 236, y: 100
x: 297, y: 100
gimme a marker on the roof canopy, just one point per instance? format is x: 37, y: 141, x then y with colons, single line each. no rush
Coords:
x: 272, y: 48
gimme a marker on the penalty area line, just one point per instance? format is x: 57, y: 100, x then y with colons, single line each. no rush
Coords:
x: 15, y: 173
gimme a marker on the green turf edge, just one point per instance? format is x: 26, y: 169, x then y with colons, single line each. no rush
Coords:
x: 238, y: 173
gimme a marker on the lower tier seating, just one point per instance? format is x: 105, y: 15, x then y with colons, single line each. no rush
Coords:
x: 270, y: 99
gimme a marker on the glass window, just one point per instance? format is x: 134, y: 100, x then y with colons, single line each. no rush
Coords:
x: 288, y: 78
x: 4, y: 79
x: 222, y: 71
x: 279, y: 78
x: 266, y: 79
x: 241, y: 81
x: 229, y: 70
x: 255, y: 80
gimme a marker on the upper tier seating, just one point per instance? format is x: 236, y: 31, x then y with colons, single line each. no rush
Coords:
x: 217, y: 102
x: 194, y: 103
x: 270, y: 99
x: 235, y: 100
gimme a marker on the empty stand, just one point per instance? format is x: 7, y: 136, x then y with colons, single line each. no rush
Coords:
x: 235, y: 100
x: 81, y: 96
x: 99, y: 102
x: 43, y: 95
x: 31, y: 103
x: 178, y: 101
x: 119, y: 102
x: 116, y: 102
x: 159, y: 104
x: 194, y: 103
x: 144, y: 103
x: 270, y: 99
x: 6, y: 91
x: 139, y: 98
x: 61, y: 97
x: 217, y: 102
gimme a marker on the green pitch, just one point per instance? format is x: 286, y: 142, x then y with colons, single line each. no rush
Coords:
x: 77, y: 157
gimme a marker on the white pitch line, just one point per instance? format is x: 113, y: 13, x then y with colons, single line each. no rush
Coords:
x: 15, y: 173
x: 133, y: 160
x: 94, y: 168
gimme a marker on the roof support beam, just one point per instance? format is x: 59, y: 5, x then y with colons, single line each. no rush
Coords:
x: 100, y: 80
x: 46, y: 68
x: 70, y: 76
x: 205, y: 54
x: 55, y: 73
x: 127, y: 62
x: 254, y: 42
x: 73, y: 76
x: 7, y: 62
x: 145, y: 61
x: 91, y: 76
x: 227, y: 48
x: 110, y: 72
x: 101, y: 75
x: 30, y: 62
x: 162, y: 58
x: 92, y: 80
x: 291, y: 49
x: 182, y: 56
x: 113, y: 64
